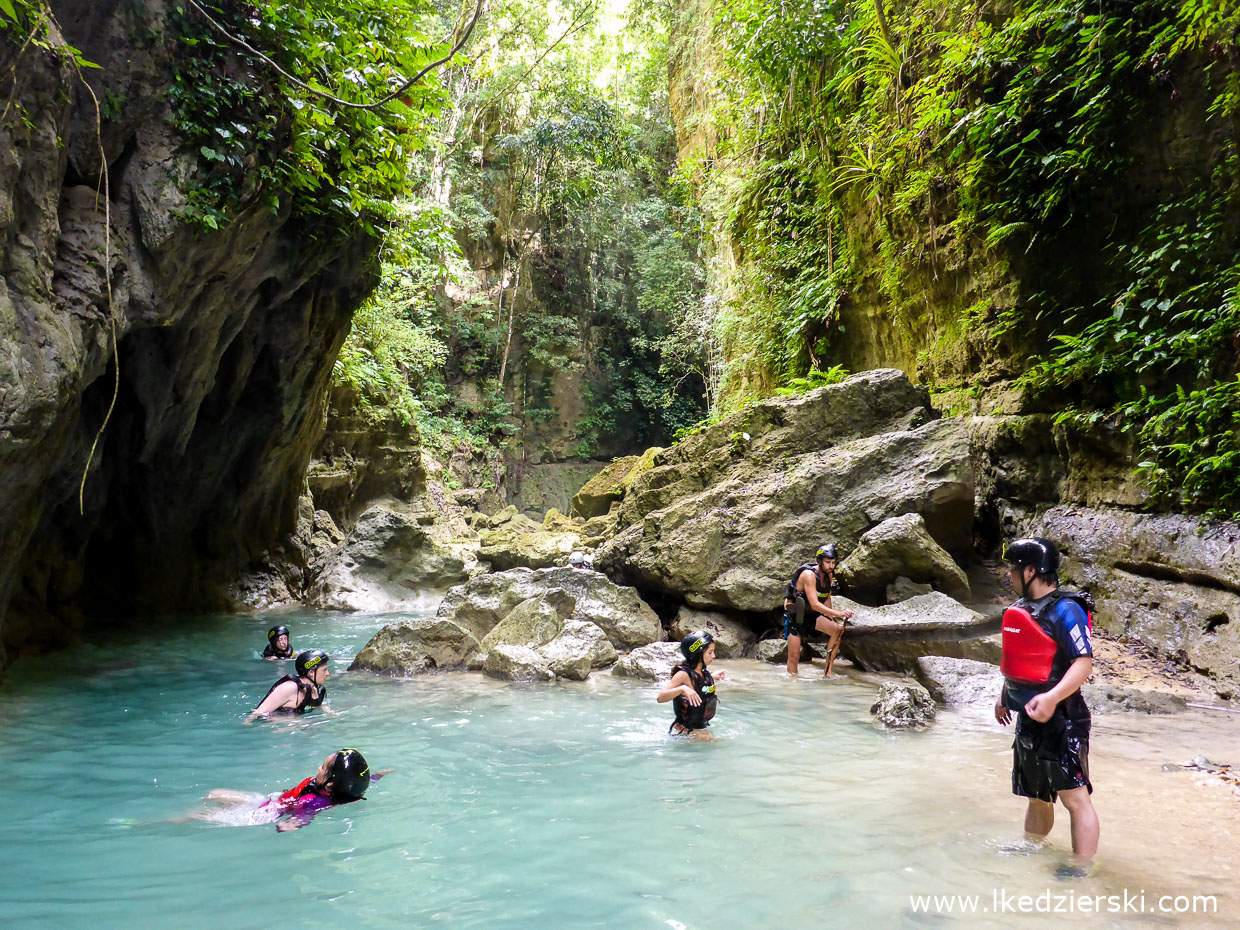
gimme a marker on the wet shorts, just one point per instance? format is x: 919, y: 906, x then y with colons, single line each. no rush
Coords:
x: 1051, y: 757
x: 792, y: 629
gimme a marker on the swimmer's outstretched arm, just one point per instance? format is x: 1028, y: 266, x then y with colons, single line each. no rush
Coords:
x: 680, y: 686
x: 296, y: 822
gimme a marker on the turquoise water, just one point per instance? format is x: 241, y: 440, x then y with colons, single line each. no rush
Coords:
x: 512, y: 806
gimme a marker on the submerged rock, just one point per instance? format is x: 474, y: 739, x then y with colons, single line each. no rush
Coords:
x: 517, y: 663
x: 903, y: 706
x: 720, y: 520
x: 652, y: 663
x: 732, y: 638
x: 413, y: 647
x: 897, y: 547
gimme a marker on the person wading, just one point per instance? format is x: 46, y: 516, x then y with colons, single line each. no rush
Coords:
x: 1047, y: 656
x: 807, y: 607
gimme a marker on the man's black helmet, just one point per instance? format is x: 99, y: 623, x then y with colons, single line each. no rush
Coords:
x: 694, y: 645
x: 827, y: 551
x: 276, y: 631
x: 350, y: 775
x: 1040, y: 553
x: 308, y: 660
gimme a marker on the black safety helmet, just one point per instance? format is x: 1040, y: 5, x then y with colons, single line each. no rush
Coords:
x: 827, y: 551
x: 276, y: 631
x: 350, y: 775
x: 694, y: 645
x: 1040, y: 553
x: 311, y: 659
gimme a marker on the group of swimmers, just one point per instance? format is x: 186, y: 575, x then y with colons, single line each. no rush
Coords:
x: 343, y: 777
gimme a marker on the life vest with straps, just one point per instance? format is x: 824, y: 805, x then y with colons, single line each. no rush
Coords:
x: 304, y: 701
x: 791, y: 591
x: 1029, y: 647
x: 688, y: 716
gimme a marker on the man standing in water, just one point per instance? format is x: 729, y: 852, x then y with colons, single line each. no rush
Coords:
x: 1047, y: 656
x: 807, y: 607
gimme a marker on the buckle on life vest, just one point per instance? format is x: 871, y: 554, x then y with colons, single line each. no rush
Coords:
x: 1028, y: 650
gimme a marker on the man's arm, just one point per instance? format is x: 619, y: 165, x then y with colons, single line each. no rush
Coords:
x: 810, y: 590
x: 280, y: 697
x: 1042, y: 706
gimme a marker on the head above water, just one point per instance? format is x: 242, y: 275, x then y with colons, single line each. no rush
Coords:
x: 348, y: 775
x: 1037, y: 553
x: 276, y: 632
x: 694, y: 646
x: 307, y: 662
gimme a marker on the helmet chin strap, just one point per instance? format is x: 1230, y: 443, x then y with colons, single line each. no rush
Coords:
x: 1024, y: 584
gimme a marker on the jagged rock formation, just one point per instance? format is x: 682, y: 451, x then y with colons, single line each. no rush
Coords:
x: 225, y: 342
x: 723, y: 516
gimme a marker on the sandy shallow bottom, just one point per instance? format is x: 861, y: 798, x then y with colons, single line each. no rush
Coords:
x: 566, y: 805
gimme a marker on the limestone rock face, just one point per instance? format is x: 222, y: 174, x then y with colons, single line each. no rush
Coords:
x: 720, y: 521
x: 732, y: 638
x: 958, y: 682
x: 895, y: 636
x: 520, y: 542
x: 1109, y: 698
x: 391, y: 553
x: 900, y: 547
x: 903, y: 588
x: 904, y: 706
x: 610, y: 485
x: 225, y: 338
x: 579, y: 647
x: 531, y: 623
x: 484, y: 600
x: 653, y: 662
x: 414, y: 647
x: 517, y: 663
x: 1171, y: 582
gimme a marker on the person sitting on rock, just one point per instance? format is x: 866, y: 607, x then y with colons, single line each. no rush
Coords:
x: 296, y: 694
x: 278, y: 646
x: 807, y: 608
x: 692, y: 688
x: 343, y: 778
x: 1047, y: 656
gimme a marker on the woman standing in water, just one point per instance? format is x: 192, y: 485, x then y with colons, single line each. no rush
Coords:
x: 692, y: 688
x: 297, y: 693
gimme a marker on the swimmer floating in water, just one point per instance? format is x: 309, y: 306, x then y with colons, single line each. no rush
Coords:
x: 343, y: 778
x: 278, y: 646
x: 298, y: 693
x: 692, y: 688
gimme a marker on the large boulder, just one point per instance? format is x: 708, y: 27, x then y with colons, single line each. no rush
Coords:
x: 579, y: 647
x: 609, y: 485
x: 1112, y: 698
x: 897, y: 547
x: 733, y: 638
x: 533, y: 622
x: 413, y: 647
x: 519, y: 541
x: 517, y: 663
x: 895, y: 636
x: 1171, y: 582
x: 903, y: 705
x: 392, y: 553
x: 653, y: 662
x: 721, y: 519
x: 957, y: 682
x: 775, y: 651
x: 484, y: 600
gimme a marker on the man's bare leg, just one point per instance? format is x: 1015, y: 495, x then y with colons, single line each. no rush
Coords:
x: 1085, y: 826
x: 835, y: 632
x: 1039, y: 818
x: 794, y: 654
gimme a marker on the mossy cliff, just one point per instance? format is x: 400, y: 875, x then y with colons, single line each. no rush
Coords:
x: 206, y: 351
x: 1027, y: 206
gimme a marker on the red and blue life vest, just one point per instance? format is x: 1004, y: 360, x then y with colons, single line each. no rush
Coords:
x: 1029, y: 648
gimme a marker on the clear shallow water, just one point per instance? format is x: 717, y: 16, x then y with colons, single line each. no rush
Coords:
x: 547, y: 806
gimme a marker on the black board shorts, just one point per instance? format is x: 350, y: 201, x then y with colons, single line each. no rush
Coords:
x: 1054, y: 756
